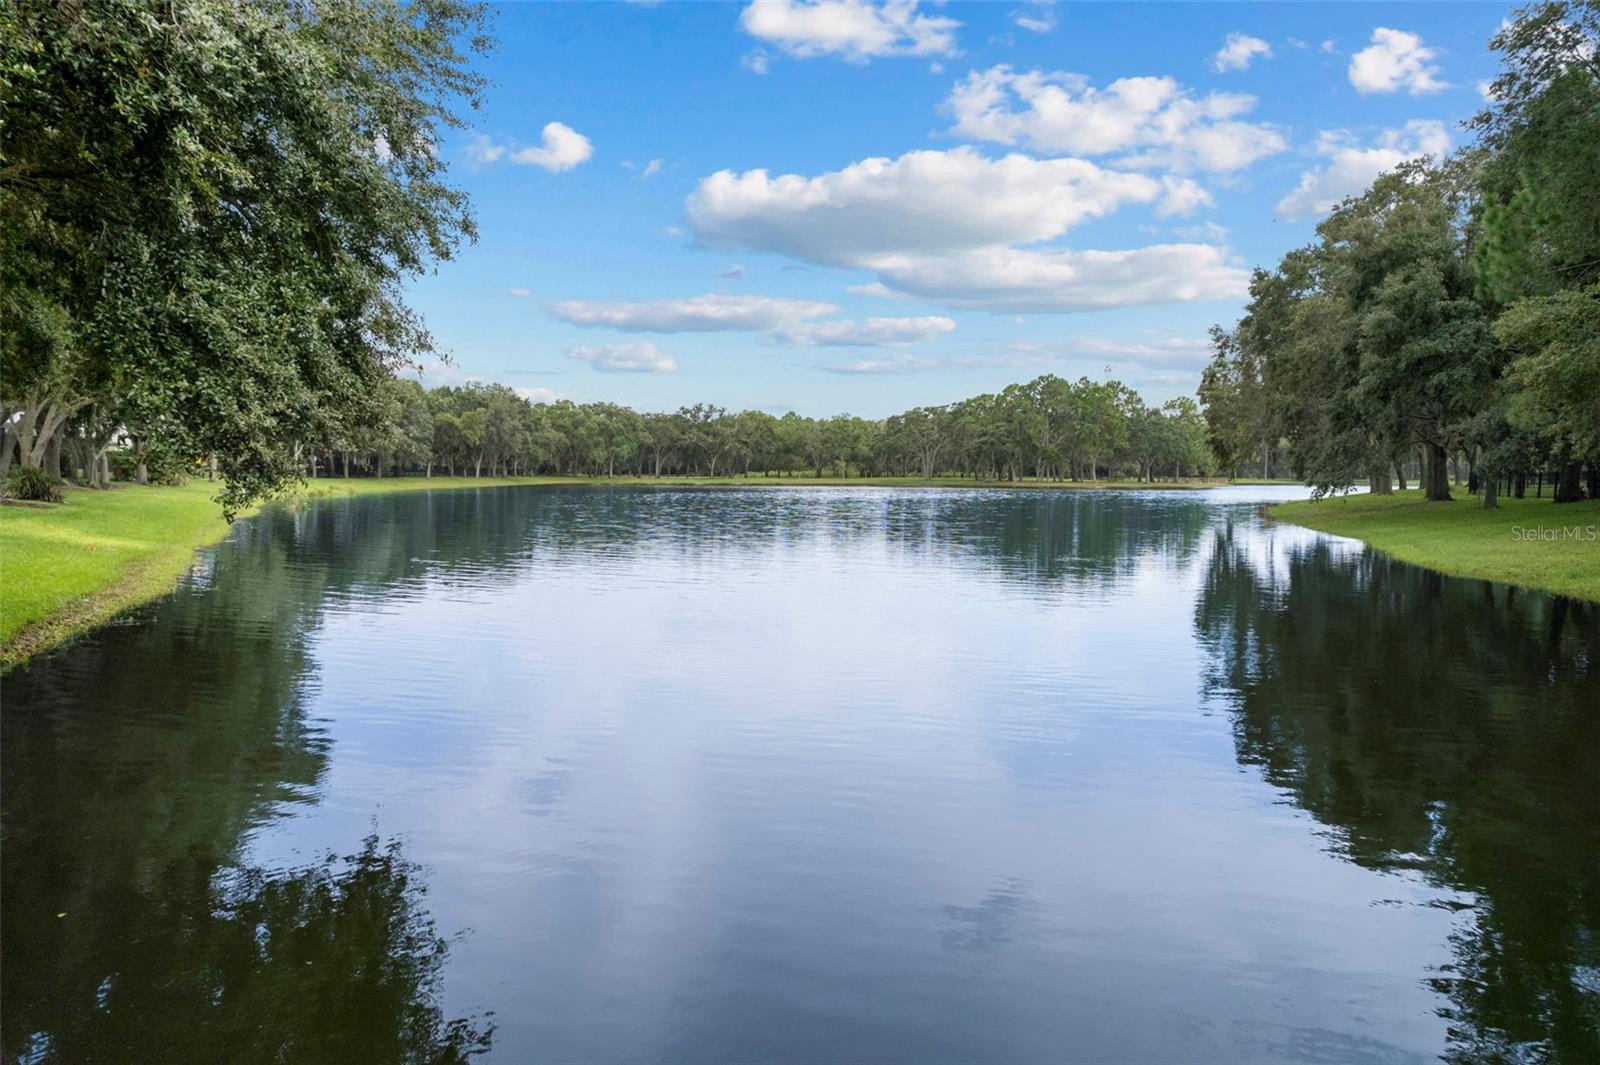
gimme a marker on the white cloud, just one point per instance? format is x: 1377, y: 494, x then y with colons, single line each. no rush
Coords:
x: 714, y: 312
x: 1029, y: 280
x: 1207, y: 230
x: 872, y: 332
x: 651, y: 169
x: 1037, y: 17
x: 733, y: 273
x: 945, y: 226
x: 520, y: 293
x: 1154, y: 120
x: 1327, y: 46
x: 1238, y: 50
x: 638, y: 356
x: 893, y: 364
x: 1352, y: 167
x: 539, y: 395
x: 871, y: 288
x: 1168, y: 351
x: 853, y: 30
x: 1395, y: 60
x: 1180, y: 196
x: 563, y: 148
x: 926, y: 202
x: 484, y: 150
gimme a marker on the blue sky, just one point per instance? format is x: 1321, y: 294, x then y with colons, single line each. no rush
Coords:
x: 845, y: 206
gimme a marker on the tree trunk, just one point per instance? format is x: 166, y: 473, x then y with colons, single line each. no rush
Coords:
x: 1400, y: 475
x: 1569, y: 487
x: 1378, y: 481
x: 211, y: 473
x: 52, y: 455
x: 1491, y: 493
x: 1435, y: 474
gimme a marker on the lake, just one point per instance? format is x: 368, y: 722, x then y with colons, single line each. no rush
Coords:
x: 578, y: 774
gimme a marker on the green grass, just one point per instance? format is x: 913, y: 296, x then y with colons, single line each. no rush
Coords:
x: 1464, y: 540
x: 66, y: 568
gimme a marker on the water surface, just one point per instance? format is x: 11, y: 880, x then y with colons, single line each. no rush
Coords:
x: 809, y: 775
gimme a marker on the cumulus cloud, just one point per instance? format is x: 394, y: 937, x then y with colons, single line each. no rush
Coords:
x: 925, y: 202
x: 1037, y: 280
x: 853, y: 30
x: 1351, y: 166
x: 871, y: 333
x: 711, y: 313
x: 562, y: 149
x: 1151, y: 121
x: 947, y: 226
x: 1237, y: 52
x: 1395, y: 60
x: 639, y: 356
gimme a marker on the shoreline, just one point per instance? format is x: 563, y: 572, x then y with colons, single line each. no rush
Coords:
x: 1527, y: 543
x: 142, y: 539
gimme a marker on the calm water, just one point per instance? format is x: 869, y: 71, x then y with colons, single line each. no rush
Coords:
x: 818, y: 775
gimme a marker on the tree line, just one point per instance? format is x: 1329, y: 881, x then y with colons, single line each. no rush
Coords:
x: 1451, y: 311
x: 1048, y: 429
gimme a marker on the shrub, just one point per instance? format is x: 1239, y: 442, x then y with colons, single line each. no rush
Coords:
x: 30, y: 482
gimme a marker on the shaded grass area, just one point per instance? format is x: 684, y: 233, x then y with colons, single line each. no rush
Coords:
x: 1464, y: 540
x: 69, y: 567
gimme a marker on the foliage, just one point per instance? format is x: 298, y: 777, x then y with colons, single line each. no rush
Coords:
x: 1555, y: 372
x: 1448, y: 310
x: 209, y: 208
x: 32, y: 483
x: 1048, y: 428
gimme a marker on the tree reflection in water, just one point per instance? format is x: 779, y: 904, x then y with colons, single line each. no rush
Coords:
x: 1439, y: 758
x: 137, y: 763
x: 333, y: 963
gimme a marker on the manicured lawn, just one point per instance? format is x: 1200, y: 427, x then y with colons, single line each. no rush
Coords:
x: 1464, y: 540
x: 79, y: 562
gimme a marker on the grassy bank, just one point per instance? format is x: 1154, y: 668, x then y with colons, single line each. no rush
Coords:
x: 69, y: 567
x: 1464, y: 540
